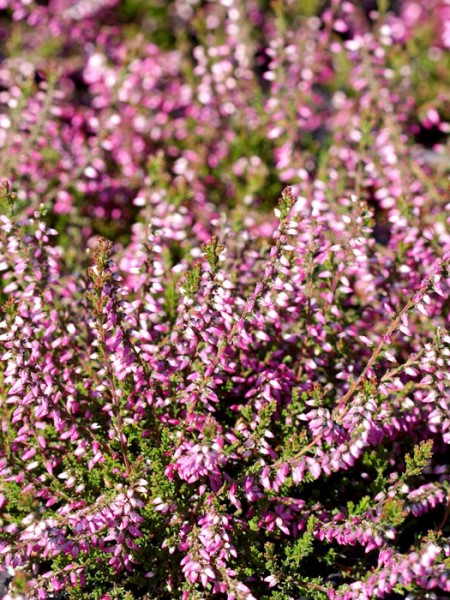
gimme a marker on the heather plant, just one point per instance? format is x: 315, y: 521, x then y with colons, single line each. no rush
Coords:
x: 229, y: 424
x: 206, y: 392
x: 239, y: 97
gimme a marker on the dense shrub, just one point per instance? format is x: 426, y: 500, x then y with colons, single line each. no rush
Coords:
x: 198, y: 400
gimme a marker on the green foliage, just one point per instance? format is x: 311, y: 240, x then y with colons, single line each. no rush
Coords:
x: 393, y: 512
x: 8, y: 199
x: 303, y: 546
x: 192, y: 280
x: 212, y: 251
x: 416, y: 462
x: 286, y: 202
x: 360, y: 507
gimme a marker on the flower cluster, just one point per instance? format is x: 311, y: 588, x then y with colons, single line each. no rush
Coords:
x: 201, y: 397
